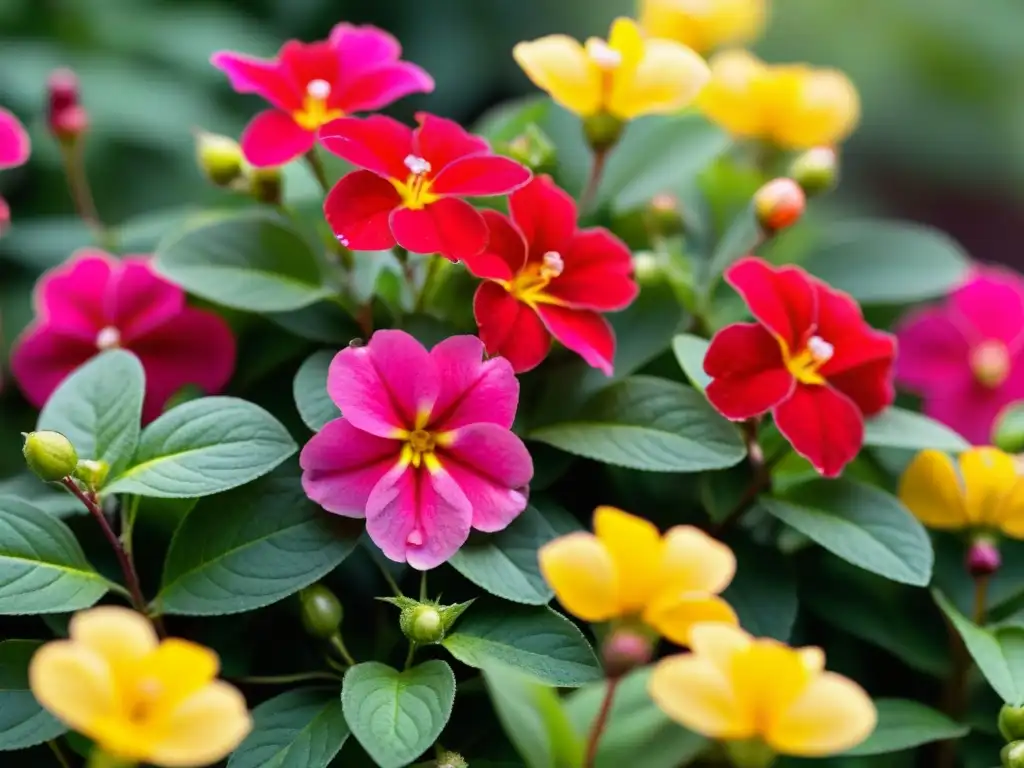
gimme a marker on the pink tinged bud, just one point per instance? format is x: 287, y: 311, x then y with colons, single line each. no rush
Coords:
x: 5, y: 215
x: 69, y: 124
x: 816, y: 170
x: 62, y: 91
x: 983, y: 558
x: 625, y: 650
x: 779, y: 204
x: 990, y: 363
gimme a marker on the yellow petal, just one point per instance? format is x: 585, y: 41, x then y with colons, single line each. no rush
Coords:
x: 732, y: 98
x: 581, y: 572
x: 813, y: 107
x: 931, y: 489
x: 696, y: 694
x: 73, y: 682
x: 116, y: 634
x: 636, y: 547
x: 626, y: 39
x: 701, y: 25
x: 667, y: 78
x: 204, y: 728
x: 674, y: 616
x: 179, y: 668
x: 696, y: 562
x: 813, y: 658
x: 989, y: 476
x: 769, y: 676
x: 1011, y: 514
x: 719, y: 643
x: 832, y: 715
x: 558, y: 64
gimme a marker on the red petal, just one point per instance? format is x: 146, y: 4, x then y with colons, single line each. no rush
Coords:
x: 505, y: 252
x: 510, y: 328
x: 598, y: 273
x: 870, y: 386
x: 451, y: 227
x: 440, y: 141
x: 362, y: 47
x: 377, y: 88
x: 587, y: 334
x: 480, y: 176
x: 749, y: 377
x: 545, y: 214
x: 305, y: 62
x: 273, y: 138
x: 823, y: 425
x: 842, y: 325
x: 42, y: 358
x: 780, y: 297
x: 248, y: 74
x: 139, y: 300
x: 376, y: 143
x: 358, y: 207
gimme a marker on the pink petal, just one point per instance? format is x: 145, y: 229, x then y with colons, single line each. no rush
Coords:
x: 376, y: 143
x: 14, y: 142
x: 598, y: 273
x: 138, y: 300
x: 363, y: 47
x: 377, y: 88
x: 473, y: 390
x: 823, y: 425
x: 480, y: 176
x: 441, y: 141
x: 931, y: 349
x: 194, y: 348
x: 274, y: 138
x: 342, y: 464
x: 505, y: 252
x: 451, y: 227
x: 358, y: 209
x: 493, y: 468
x: 990, y: 306
x: 749, y: 376
x: 42, y: 358
x: 971, y: 409
x: 387, y: 386
x: 510, y: 328
x: 248, y: 74
x: 304, y: 63
x: 71, y: 296
x: 545, y: 214
x: 586, y: 333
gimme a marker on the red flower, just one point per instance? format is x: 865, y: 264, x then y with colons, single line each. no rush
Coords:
x: 811, y: 360
x: 544, y: 277
x: 409, y: 191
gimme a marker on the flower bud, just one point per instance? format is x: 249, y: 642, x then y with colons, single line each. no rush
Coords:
x: 602, y: 131
x: 68, y: 124
x: 321, y: 611
x: 779, y: 204
x: 61, y: 91
x: 422, y: 624
x: 5, y: 215
x: 265, y: 184
x: 50, y: 455
x: 1008, y: 434
x: 219, y: 157
x: 451, y: 760
x: 664, y: 215
x: 91, y: 473
x: 1011, y: 722
x: 533, y: 149
x: 752, y: 753
x: 1013, y: 755
x: 625, y: 650
x: 983, y: 558
x: 816, y: 170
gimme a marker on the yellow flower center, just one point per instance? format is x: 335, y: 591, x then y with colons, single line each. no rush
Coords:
x: 415, y: 190
x: 108, y: 338
x: 144, y: 699
x: 419, y: 448
x: 315, y: 111
x: 805, y: 364
x: 529, y: 285
x: 990, y: 363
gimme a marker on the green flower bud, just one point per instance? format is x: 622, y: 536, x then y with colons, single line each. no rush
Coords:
x: 92, y: 473
x: 50, y: 455
x: 321, y: 611
x: 1008, y: 434
x: 219, y: 157
x: 602, y: 131
x: 1011, y: 722
x: 752, y: 753
x: 422, y: 624
x: 1013, y: 755
x: 816, y: 170
x: 533, y: 149
x: 266, y: 184
x: 451, y: 760
x: 665, y: 216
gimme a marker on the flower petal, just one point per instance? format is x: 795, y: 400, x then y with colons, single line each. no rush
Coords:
x: 248, y: 74
x: 697, y: 695
x: 841, y: 323
x: 480, y: 176
x: 586, y: 333
x: 71, y: 297
x: 558, y: 65
x: 546, y: 215
x: 181, y: 668
x: 376, y: 88
x: 582, y: 574
x: 274, y: 138
x: 139, y: 300
x: 376, y: 143
x: 303, y: 63
x: 989, y: 476
x: 510, y: 328
x: 693, y: 561
x: 598, y: 273
x: 675, y: 615
x: 990, y: 305
x: 118, y: 635
x: 870, y: 386
x: 832, y: 715
x: 43, y: 357
x: 932, y: 349
x: 472, y: 390
x: 505, y: 252
x: 636, y: 548
x: 719, y: 643
x: 668, y: 77
x: 363, y: 46
x: 733, y: 97
x: 930, y: 488
x: 450, y: 226
x: 1011, y: 515
x: 823, y: 425
x: 341, y: 465
x: 73, y: 682
x: 358, y: 209
x: 15, y: 145
x: 969, y: 407
x: 440, y: 141
x: 749, y: 376
x: 781, y: 298
x: 812, y: 107
x: 204, y: 728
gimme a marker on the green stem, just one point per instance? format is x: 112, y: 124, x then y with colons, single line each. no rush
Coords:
x: 409, y: 656
x: 319, y: 172
x: 423, y: 586
x: 128, y: 514
x: 338, y: 644
x: 389, y: 579
x: 58, y: 753
x: 433, y: 270
x: 761, y: 481
x: 298, y: 677
x: 100, y: 759
x: 81, y: 192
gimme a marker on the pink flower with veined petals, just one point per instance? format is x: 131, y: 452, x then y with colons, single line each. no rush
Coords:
x: 966, y: 357
x: 14, y: 151
x: 357, y: 69
x: 95, y: 302
x: 423, y: 449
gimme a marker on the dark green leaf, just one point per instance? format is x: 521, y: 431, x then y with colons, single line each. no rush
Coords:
x: 690, y: 351
x: 49, y: 497
x: 899, y: 428
x: 907, y: 724
x: 764, y: 590
x: 324, y: 322
x: 310, y: 391
x: 23, y: 723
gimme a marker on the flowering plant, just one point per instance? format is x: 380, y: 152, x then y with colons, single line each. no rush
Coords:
x: 598, y: 369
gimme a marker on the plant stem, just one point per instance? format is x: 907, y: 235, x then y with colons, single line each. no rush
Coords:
x: 54, y: 746
x: 339, y: 645
x: 409, y: 656
x: 600, y: 722
x: 81, y: 192
x: 298, y: 677
x: 433, y: 270
x: 423, y: 586
x: 389, y: 579
x: 594, y: 181
x: 319, y: 172
x: 761, y: 480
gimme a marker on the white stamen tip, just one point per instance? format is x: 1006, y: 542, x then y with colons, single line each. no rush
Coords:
x: 318, y: 89
x: 820, y: 348
x: 604, y: 55
x: 417, y: 165
x: 343, y: 240
x: 415, y: 538
x: 553, y: 263
x: 108, y: 338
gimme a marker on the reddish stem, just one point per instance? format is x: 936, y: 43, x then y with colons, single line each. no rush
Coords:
x: 600, y: 722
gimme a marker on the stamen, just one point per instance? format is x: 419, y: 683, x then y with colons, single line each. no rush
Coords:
x: 318, y: 89
x: 820, y: 349
x: 417, y: 165
x: 603, y: 54
x: 108, y: 338
x: 552, y: 265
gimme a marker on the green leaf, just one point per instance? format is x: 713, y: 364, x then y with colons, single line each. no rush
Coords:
x: 204, y: 447
x: 324, y: 322
x: 251, y: 547
x: 98, y: 408
x: 251, y: 260
x: 506, y: 121
x: 904, y: 725
x: 23, y: 723
x: 42, y: 566
x: 998, y: 653
x: 764, y: 590
x: 396, y: 716
x: 881, y: 262
x: 742, y: 236
x: 635, y: 726
x: 505, y: 563
x: 862, y: 524
x: 310, y: 391
x: 303, y: 728
x: 649, y: 424
x: 52, y: 499
x: 690, y: 351
x: 535, y: 640
x: 899, y: 428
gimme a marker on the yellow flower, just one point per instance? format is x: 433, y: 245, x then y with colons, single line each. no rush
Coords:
x: 704, y: 24
x: 628, y: 571
x: 984, y: 491
x: 139, y: 699
x: 626, y: 77
x: 735, y: 687
x: 793, y: 106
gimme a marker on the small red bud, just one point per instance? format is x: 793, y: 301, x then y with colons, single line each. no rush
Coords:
x: 779, y: 204
x: 624, y: 651
x: 5, y: 215
x: 62, y: 90
x: 70, y: 123
x: 983, y: 558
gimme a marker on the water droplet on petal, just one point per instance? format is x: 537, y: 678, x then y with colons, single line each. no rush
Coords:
x: 343, y: 240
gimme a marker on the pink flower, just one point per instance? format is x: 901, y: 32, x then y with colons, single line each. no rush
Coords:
x: 309, y: 84
x: 966, y: 357
x: 14, y: 151
x: 95, y: 302
x: 423, y: 450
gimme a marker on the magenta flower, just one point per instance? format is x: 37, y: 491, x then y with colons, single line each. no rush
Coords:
x: 357, y: 69
x: 423, y: 450
x: 95, y: 302
x: 14, y: 151
x: 966, y: 357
